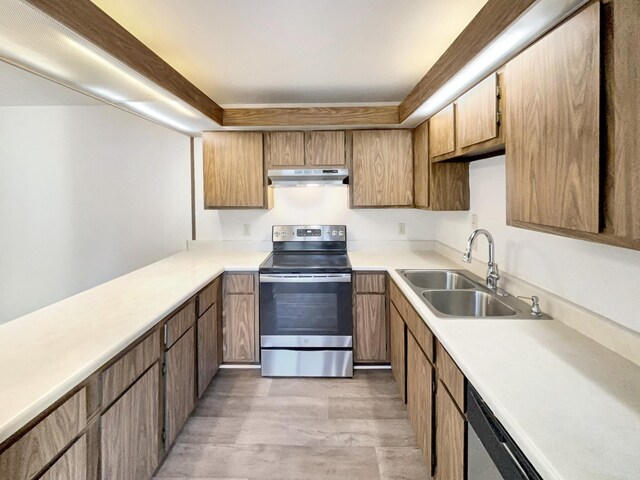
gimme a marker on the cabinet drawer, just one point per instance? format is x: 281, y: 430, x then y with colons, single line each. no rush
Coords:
x: 420, y: 331
x: 117, y: 378
x: 179, y: 323
x: 451, y: 376
x: 25, y: 458
x: 208, y: 296
x: 415, y: 324
x: 370, y: 283
x: 238, y: 283
x: 71, y: 465
x: 397, y: 297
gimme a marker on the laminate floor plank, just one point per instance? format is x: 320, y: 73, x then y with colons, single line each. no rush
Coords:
x: 327, y: 432
x: 271, y: 462
x: 246, y: 427
x: 262, y: 407
x: 402, y: 464
x: 348, y: 407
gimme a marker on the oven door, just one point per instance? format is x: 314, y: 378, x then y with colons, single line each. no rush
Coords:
x: 306, y: 311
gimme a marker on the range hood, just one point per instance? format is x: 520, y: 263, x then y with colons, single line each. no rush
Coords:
x: 306, y: 177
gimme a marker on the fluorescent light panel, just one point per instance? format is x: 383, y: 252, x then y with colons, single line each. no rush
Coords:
x: 537, y: 20
x: 32, y: 40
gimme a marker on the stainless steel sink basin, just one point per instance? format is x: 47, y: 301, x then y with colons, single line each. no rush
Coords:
x: 467, y: 303
x: 438, y: 280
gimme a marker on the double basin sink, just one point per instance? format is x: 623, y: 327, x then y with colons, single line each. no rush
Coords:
x: 457, y: 294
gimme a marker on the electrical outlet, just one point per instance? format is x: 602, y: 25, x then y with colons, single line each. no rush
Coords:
x: 401, y: 229
x: 246, y: 229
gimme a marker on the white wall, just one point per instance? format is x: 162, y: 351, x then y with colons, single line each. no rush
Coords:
x: 601, y: 278
x: 87, y: 193
x: 322, y: 205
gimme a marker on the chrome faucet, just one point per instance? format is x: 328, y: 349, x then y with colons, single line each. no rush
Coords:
x: 493, y: 275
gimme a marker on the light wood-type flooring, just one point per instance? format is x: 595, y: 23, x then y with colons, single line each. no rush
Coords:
x: 247, y: 427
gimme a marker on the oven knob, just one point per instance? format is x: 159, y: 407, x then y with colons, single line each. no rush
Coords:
x: 341, y: 233
x: 277, y: 234
x: 334, y: 233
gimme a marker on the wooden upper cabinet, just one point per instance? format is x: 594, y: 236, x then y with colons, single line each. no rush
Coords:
x: 325, y: 148
x: 284, y: 149
x: 233, y: 170
x: 622, y: 75
x: 382, y: 168
x: 477, y: 113
x: 421, y: 165
x: 442, y: 132
x: 553, y: 127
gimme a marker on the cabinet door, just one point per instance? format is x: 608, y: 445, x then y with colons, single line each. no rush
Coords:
x: 370, y: 328
x: 397, y: 332
x: 324, y: 148
x: 130, y: 431
x: 207, y: 347
x: 420, y: 397
x: 284, y: 149
x: 421, y: 165
x: 239, y: 328
x: 552, y: 129
x: 71, y: 465
x: 233, y: 170
x: 382, y: 168
x: 477, y: 113
x: 451, y: 429
x: 180, y: 383
x: 441, y: 132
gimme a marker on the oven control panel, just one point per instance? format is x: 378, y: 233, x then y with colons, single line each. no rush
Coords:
x: 314, y: 233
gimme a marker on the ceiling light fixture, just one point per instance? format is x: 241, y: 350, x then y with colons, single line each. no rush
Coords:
x: 537, y: 20
x: 34, y: 41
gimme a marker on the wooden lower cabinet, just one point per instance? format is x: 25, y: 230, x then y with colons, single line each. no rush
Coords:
x: 129, y: 434
x: 180, y: 377
x: 420, y: 397
x: 397, y: 332
x: 451, y: 429
x: 72, y: 465
x: 208, y: 347
x: 239, y: 328
x: 370, y: 328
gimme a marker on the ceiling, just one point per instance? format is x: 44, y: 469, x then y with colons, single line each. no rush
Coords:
x: 259, y: 52
x: 19, y: 88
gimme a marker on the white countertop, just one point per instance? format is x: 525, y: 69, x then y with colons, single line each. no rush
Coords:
x: 570, y: 404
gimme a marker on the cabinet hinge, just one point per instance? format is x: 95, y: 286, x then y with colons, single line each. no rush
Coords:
x: 498, y: 117
x: 164, y: 368
x: 164, y: 437
x: 433, y: 386
x: 498, y: 92
x: 433, y: 462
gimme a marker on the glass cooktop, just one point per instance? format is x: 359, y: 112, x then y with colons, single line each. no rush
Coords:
x: 296, y: 262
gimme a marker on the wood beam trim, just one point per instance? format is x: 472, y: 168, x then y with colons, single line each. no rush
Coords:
x: 310, y: 116
x: 89, y: 21
x: 495, y: 17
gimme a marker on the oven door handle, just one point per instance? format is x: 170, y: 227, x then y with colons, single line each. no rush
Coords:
x: 320, y: 278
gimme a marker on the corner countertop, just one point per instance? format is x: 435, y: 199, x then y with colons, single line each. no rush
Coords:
x: 570, y: 404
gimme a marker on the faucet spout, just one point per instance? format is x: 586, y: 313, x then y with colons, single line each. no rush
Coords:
x: 493, y: 275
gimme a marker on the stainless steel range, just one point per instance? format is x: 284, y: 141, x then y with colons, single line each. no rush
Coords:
x: 306, y: 321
